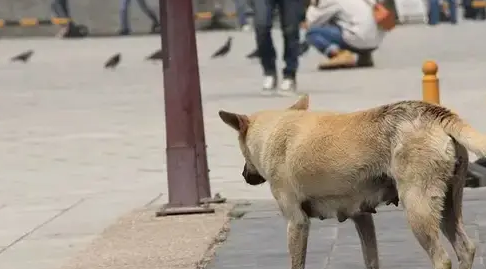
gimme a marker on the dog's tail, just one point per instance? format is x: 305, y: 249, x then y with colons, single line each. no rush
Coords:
x: 454, y: 126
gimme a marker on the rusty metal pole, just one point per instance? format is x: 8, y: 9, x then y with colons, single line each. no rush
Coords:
x: 181, y: 84
x: 204, y: 187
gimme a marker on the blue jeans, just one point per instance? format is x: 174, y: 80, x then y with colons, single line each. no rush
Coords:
x: 290, y: 12
x: 125, y: 24
x: 241, y: 8
x: 327, y: 39
x: 435, y: 9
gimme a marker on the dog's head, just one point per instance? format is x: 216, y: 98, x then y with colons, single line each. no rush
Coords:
x: 242, y: 123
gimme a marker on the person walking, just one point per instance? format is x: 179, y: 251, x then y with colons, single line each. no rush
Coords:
x: 290, y: 13
x: 125, y: 23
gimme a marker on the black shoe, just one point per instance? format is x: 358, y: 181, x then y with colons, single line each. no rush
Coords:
x: 365, y: 60
x: 75, y: 31
x: 124, y: 32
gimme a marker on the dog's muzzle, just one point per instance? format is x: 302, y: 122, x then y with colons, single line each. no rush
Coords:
x: 252, y: 178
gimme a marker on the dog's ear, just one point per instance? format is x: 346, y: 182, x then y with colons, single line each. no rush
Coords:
x: 235, y: 121
x: 302, y: 103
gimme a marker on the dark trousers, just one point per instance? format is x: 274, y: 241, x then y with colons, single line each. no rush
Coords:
x: 290, y: 13
x: 241, y: 7
x: 61, y: 9
x: 124, y: 7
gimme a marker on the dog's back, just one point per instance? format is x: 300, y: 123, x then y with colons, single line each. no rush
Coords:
x: 364, y: 138
x: 315, y: 154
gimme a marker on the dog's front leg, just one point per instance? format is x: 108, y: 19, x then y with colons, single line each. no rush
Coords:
x: 298, y: 224
x: 366, y: 231
x: 297, y: 234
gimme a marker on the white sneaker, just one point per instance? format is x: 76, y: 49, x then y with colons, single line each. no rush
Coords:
x: 246, y: 28
x: 269, y: 85
x: 288, y: 87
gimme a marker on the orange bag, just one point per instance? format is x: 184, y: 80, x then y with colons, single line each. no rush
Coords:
x: 383, y: 17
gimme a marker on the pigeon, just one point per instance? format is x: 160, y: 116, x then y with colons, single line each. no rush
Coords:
x: 155, y: 56
x: 303, y: 48
x: 23, y: 57
x: 113, y: 61
x: 224, y: 49
x: 253, y: 54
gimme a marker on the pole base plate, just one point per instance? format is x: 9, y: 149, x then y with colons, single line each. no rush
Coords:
x: 171, y: 210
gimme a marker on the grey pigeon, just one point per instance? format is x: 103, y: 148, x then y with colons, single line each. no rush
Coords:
x: 23, y: 57
x: 224, y: 49
x: 113, y: 61
x: 155, y: 56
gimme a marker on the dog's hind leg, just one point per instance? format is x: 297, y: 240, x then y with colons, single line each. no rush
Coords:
x: 421, y: 172
x: 453, y: 229
x: 452, y: 225
x: 366, y: 231
x: 423, y: 211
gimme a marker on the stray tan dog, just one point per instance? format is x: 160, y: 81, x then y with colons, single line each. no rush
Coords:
x: 340, y: 165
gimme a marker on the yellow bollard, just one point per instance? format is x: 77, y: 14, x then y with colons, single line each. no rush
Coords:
x: 430, y: 83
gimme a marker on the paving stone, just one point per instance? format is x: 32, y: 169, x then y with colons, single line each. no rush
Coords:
x: 261, y: 241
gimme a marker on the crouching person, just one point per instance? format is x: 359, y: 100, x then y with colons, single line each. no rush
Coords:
x: 343, y: 30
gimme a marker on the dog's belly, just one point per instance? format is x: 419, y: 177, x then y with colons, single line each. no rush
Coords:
x: 363, y: 199
x: 323, y: 208
x: 327, y: 208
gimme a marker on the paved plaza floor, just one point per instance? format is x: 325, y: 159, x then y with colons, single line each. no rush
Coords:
x: 258, y: 240
x: 80, y: 146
